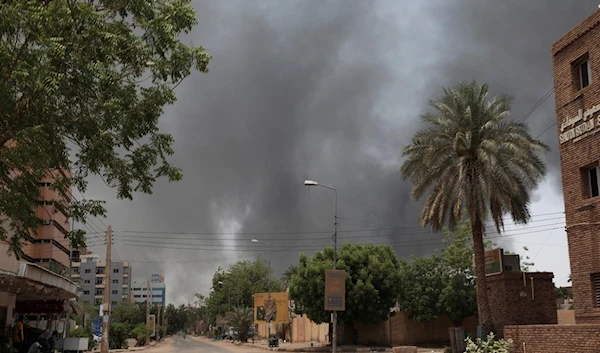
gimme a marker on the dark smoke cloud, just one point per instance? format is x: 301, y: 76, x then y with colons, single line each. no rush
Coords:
x: 331, y: 91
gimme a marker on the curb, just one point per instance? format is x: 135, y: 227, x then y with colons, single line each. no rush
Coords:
x: 323, y: 349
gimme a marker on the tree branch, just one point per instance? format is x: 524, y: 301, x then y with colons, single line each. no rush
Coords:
x: 13, y: 65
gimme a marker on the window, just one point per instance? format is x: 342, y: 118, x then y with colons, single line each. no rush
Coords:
x: 593, y: 178
x: 584, y: 74
x: 99, y: 281
x: 86, y: 292
x: 116, y: 270
x: 596, y: 287
x: 98, y: 301
x: 100, y: 271
x: 99, y: 292
x: 116, y: 281
x: 87, y: 281
x: 137, y: 296
x: 87, y: 270
x: 115, y: 292
x: 114, y: 303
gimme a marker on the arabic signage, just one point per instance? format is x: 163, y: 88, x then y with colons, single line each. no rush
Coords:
x: 580, y: 126
x: 335, y: 290
x: 272, y: 309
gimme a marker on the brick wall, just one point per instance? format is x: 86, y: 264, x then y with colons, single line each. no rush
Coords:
x: 513, y: 302
x: 582, y: 212
x: 554, y: 338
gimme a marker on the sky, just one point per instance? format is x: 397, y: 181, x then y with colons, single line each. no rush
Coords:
x: 331, y: 91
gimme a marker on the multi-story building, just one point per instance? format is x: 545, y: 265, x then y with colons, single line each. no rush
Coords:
x: 49, y: 248
x: 576, y: 65
x: 158, y: 290
x: 91, y: 273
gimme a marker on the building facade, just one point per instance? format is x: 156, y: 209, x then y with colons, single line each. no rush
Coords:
x: 49, y: 248
x: 158, y: 290
x: 91, y: 274
x: 576, y: 66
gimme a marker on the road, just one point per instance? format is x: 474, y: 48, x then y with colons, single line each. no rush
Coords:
x: 178, y: 344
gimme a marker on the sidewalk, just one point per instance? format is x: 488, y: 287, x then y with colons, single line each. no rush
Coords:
x: 152, y: 344
x: 305, y: 347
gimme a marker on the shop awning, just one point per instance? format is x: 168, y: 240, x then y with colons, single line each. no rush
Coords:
x: 33, y: 283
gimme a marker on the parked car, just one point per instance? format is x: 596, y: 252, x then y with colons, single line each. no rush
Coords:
x: 97, y: 339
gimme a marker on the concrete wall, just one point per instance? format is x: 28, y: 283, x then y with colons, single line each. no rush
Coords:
x: 554, y: 338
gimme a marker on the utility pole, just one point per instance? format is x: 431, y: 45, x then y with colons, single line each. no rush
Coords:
x: 158, y: 320
x: 166, y: 322
x: 148, y: 291
x: 106, y: 311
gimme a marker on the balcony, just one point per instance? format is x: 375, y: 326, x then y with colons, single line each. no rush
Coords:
x: 99, y: 285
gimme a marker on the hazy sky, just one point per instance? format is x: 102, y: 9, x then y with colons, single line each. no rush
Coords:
x: 331, y: 91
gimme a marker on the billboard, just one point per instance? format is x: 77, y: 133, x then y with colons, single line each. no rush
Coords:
x: 493, y: 261
x: 335, y: 290
x: 274, y: 309
x: 152, y: 324
x: 158, y: 278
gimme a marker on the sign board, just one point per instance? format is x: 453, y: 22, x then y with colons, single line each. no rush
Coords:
x: 335, y: 290
x: 152, y: 324
x: 493, y: 262
x: 158, y: 278
x: 575, y: 128
x: 275, y: 308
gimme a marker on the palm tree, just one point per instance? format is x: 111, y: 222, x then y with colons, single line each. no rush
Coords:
x: 286, y: 277
x: 241, y: 319
x: 471, y: 158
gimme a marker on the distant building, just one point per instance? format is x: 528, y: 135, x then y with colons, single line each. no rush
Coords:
x: 91, y: 272
x: 158, y: 290
x: 49, y: 247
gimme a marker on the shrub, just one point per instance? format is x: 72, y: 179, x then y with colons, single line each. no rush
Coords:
x: 490, y: 345
x: 81, y: 332
x: 139, y: 333
x: 117, y: 335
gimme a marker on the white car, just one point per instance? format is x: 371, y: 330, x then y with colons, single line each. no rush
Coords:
x: 97, y: 339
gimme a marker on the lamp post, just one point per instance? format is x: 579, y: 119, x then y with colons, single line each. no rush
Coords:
x: 335, y: 223
x: 220, y: 283
x: 268, y: 284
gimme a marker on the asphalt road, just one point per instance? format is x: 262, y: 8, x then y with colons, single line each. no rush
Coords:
x: 190, y: 345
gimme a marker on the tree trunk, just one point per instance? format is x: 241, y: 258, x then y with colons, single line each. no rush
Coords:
x: 483, y: 303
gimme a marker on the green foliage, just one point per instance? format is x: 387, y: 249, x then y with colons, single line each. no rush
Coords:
x: 239, y: 282
x: 130, y: 314
x: 286, y: 276
x: 372, y: 283
x: 139, y: 332
x: 489, y: 345
x: 473, y: 161
x: 241, y: 320
x: 89, y: 80
x: 117, y: 335
x: 178, y: 318
x: 563, y: 293
x: 442, y: 283
x: 84, y: 333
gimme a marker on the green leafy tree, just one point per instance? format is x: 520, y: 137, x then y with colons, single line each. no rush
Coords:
x: 139, y: 332
x: 82, y: 86
x: 241, y: 320
x: 286, y: 276
x: 372, y: 283
x: 236, y: 286
x: 130, y: 314
x: 458, y: 298
x: 471, y: 159
x: 177, y: 318
x: 117, y: 335
x: 422, y: 286
x: 442, y: 283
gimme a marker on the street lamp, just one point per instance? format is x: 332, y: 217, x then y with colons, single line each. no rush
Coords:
x: 220, y: 283
x: 268, y: 283
x: 335, y: 223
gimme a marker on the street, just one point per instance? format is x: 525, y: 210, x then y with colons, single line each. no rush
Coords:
x: 178, y: 344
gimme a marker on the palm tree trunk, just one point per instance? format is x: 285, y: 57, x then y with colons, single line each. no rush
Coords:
x: 483, y: 303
